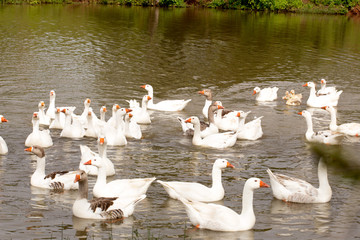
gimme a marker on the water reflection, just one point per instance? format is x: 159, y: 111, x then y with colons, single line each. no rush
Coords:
x: 195, y: 233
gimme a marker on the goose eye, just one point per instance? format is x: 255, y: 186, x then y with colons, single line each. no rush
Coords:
x: 255, y: 180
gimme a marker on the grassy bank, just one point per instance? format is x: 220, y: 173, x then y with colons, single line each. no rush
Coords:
x: 302, y: 6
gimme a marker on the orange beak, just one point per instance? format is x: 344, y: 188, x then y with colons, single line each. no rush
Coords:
x: 322, y: 81
x: 52, y: 93
x: 64, y: 110
x: 117, y: 106
x: 300, y: 113
x: 143, y: 86
x: 305, y: 85
x: 35, y: 115
x: 128, y: 110
x: 58, y: 110
x: 262, y: 184
x: 130, y: 115
x: 254, y: 92
x: 188, y: 120
x: 101, y: 141
x: 42, y: 104
x: 230, y: 165
x: 88, y: 100
x: 238, y: 114
x: 88, y: 163
x: 324, y: 107
x: 3, y: 119
x: 28, y: 149
x: 77, y: 178
x: 104, y: 109
x: 89, y: 113
x: 148, y: 98
x: 201, y: 92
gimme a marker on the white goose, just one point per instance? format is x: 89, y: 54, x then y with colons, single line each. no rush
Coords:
x: 103, y: 111
x: 87, y: 154
x: 228, y: 121
x: 85, y: 113
x: 62, y: 180
x: 112, y: 119
x: 197, y: 192
x: 325, y: 90
x: 292, y: 189
x: 322, y: 100
x: 142, y: 115
x: 73, y: 127
x: 38, y: 137
x: 167, y: 105
x: 101, y: 208
x: 218, y: 140
x: 132, y: 129
x: 208, y: 101
x: 52, y: 110
x: 351, y: 129
x: 58, y: 122
x: 251, y: 130
x: 266, y: 95
x: 43, y: 119
x: 117, y: 188
x: 93, y: 129
x: 3, y: 146
x: 326, y: 137
x: 220, y: 218
x: 206, y: 128
x: 115, y: 135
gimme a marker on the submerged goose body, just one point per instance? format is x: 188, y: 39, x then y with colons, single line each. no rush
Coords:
x: 115, y: 135
x: 101, y: 208
x: 62, y: 180
x: 217, y: 140
x: 197, y: 192
x: 117, y: 188
x: 220, y: 218
x: 38, y: 137
x: 251, y: 130
x: 132, y: 129
x: 322, y: 100
x: 73, y: 127
x: 142, y: 115
x: 3, y: 146
x: 266, y: 94
x: 292, y: 189
x: 326, y: 137
x: 58, y: 122
x: 351, y: 129
x: 166, y: 105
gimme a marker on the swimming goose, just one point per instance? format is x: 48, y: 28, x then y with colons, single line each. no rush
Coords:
x: 220, y: 218
x: 206, y: 128
x: 103, y: 111
x: 292, y: 189
x: 166, y: 105
x: 326, y: 137
x: 266, y: 95
x: 62, y: 180
x: 115, y: 135
x: 217, y: 140
x: 85, y: 113
x: 43, y: 119
x: 132, y: 129
x: 38, y: 137
x: 251, y: 130
x: 117, y: 188
x: 73, y: 127
x: 142, y: 115
x: 226, y: 122
x: 197, y: 192
x: 52, y: 109
x: 208, y: 101
x: 87, y: 154
x: 351, y: 129
x: 322, y: 100
x: 101, y: 208
x: 93, y: 129
x: 291, y: 98
x: 112, y: 120
x: 325, y: 90
x: 58, y: 122
x: 3, y: 146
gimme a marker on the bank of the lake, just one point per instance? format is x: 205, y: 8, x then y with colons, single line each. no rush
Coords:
x: 348, y: 7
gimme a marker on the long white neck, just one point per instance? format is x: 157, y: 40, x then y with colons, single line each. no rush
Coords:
x: 324, y: 186
x: 36, y: 125
x: 219, y: 114
x: 40, y: 167
x: 102, y: 150
x: 216, y: 178
x: 247, y: 203
x: 151, y: 94
x: 67, y: 120
x: 312, y: 91
x: 197, y: 140
x: 309, y: 131
x: 102, y: 116
x: 333, y: 126
x: 101, y: 177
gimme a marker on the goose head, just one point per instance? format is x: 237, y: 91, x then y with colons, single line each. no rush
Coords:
x: 95, y: 161
x: 147, y: 87
x: 103, y: 110
x: 35, y: 116
x: 323, y: 82
x: 87, y: 102
x: 304, y: 113
x: 255, y: 183
x: 38, y: 151
x: 2, y: 119
x: 194, y: 120
x: 52, y: 94
x: 80, y: 176
x: 115, y: 107
x: 223, y: 163
x: 256, y: 90
x: 123, y: 111
x: 41, y: 105
x: 309, y: 84
x: 207, y: 93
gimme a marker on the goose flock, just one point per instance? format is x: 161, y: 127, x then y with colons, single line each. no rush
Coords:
x: 118, y: 198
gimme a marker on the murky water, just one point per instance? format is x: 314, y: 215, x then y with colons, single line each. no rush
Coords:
x: 106, y: 52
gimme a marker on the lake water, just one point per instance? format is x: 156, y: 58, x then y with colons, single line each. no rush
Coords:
x: 106, y: 52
